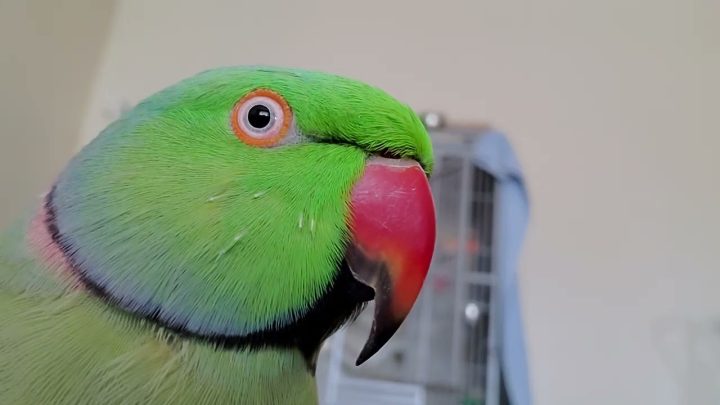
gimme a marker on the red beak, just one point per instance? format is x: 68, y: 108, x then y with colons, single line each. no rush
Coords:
x: 393, y: 225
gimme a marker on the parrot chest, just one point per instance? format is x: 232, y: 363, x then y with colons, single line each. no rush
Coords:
x: 72, y: 350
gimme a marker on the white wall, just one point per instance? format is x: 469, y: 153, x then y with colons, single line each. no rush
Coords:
x: 49, y: 54
x: 612, y: 106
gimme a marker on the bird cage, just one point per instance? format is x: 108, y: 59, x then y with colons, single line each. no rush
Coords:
x: 445, y: 351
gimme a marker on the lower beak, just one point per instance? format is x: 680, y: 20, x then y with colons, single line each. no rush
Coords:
x: 393, y: 238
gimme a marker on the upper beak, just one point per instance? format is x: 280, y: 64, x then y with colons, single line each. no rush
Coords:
x: 393, y: 238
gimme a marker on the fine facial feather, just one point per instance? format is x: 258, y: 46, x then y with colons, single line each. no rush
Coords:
x: 139, y: 199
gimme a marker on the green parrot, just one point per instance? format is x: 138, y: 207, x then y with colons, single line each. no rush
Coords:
x: 205, y: 244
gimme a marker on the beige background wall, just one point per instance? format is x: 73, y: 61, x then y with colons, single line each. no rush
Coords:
x: 50, y: 52
x: 612, y: 106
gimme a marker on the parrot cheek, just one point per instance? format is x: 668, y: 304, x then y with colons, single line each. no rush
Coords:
x: 393, y: 238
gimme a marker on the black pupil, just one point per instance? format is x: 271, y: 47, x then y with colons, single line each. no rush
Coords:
x: 259, y: 116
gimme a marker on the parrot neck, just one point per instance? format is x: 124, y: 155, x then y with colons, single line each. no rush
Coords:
x: 252, y: 375
x: 41, y: 243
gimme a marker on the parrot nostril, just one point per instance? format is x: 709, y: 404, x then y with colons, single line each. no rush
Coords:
x: 389, y: 154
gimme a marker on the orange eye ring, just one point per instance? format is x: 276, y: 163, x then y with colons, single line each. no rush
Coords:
x: 261, y: 118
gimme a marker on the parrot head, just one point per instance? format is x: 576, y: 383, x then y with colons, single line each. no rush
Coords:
x: 253, y: 207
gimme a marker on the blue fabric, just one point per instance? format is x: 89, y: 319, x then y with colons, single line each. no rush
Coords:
x: 493, y: 154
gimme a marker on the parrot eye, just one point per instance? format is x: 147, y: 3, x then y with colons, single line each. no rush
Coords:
x: 261, y: 118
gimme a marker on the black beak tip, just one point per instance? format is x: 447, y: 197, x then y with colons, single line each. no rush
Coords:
x: 381, y: 332
x: 374, y: 283
x: 371, y: 347
x: 367, y: 352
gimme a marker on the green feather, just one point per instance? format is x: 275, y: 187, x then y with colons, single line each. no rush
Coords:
x: 175, y: 219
